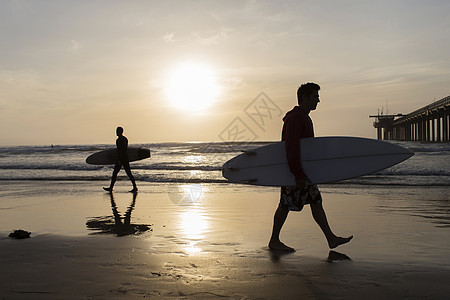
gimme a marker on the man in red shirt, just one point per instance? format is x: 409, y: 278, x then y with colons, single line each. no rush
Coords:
x: 298, y: 125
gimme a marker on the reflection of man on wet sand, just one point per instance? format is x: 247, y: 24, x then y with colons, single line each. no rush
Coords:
x: 116, y: 224
x: 122, y: 160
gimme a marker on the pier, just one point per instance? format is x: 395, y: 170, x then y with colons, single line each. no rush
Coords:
x: 428, y: 124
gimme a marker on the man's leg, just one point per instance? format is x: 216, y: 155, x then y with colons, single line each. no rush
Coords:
x: 278, y: 221
x: 117, y: 167
x: 127, y: 168
x: 321, y: 219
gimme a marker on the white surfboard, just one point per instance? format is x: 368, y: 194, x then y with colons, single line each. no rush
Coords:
x: 324, y: 159
x: 109, y: 156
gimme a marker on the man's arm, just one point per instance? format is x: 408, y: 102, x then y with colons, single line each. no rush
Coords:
x: 293, y: 135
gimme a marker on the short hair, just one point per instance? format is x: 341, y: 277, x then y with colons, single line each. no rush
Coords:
x: 119, y: 130
x: 306, y: 89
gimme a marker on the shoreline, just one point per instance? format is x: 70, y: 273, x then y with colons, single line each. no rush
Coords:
x: 210, y: 241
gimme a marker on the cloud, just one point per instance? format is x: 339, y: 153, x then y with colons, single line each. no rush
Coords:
x: 75, y: 45
x: 396, y: 74
x: 169, y: 37
x: 210, y: 37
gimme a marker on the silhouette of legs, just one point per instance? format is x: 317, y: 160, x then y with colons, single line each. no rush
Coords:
x: 127, y: 168
x: 319, y: 216
x: 278, y: 221
x: 321, y: 220
x: 117, y: 168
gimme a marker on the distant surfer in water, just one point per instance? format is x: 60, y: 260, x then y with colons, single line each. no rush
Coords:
x: 298, y: 125
x: 122, y: 160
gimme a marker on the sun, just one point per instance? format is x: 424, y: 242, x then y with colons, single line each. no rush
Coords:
x: 192, y: 86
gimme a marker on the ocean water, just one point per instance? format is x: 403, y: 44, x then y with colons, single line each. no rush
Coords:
x: 201, y: 163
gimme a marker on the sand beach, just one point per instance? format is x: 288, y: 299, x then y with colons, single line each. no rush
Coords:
x: 190, y: 241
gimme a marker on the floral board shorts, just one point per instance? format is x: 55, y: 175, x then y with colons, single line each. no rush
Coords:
x: 294, y: 198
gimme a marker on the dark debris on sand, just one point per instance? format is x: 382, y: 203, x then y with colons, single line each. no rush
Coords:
x: 20, y: 234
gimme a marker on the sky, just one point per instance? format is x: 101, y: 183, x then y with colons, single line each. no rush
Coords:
x: 168, y: 71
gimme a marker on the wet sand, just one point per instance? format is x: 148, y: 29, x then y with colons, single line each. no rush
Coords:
x: 210, y: 241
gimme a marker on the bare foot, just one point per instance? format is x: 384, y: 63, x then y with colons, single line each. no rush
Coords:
x: 108, y: 189
x: 279, y: 246
x: 339, y: 241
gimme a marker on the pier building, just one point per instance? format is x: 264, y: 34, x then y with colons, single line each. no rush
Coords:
x: 428, y: 124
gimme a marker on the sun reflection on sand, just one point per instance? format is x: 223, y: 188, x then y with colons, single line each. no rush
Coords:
x: 193, y: 221
x: 193, y: 225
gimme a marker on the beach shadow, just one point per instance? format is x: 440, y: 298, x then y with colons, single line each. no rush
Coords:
x: 334, y: 256
x: 116, y: 224
x: 276, y: 255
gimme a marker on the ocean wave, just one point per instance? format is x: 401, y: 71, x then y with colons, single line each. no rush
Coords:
x: 177, y: 162
x: 158, y: 167
x: 52, y: 167
x: 177, y: 167
x: 224, y: 148
x: 107, y: 178
x: 425, y: 147
x: 361, y: 181
x: 197, y: 147
x: 406, y: 172
x: 167, y: 148
x: 49, y: 150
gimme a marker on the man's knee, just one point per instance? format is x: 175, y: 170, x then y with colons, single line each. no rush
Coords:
x: 128, y: 171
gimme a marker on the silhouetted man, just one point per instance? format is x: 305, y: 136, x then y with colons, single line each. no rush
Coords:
x: 298, y: 125
x: 122, y: 160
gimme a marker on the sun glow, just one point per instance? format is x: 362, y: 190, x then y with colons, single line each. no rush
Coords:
x: 192, y: 86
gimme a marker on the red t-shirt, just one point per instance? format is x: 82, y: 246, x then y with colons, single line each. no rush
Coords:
x: 297, y: 125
